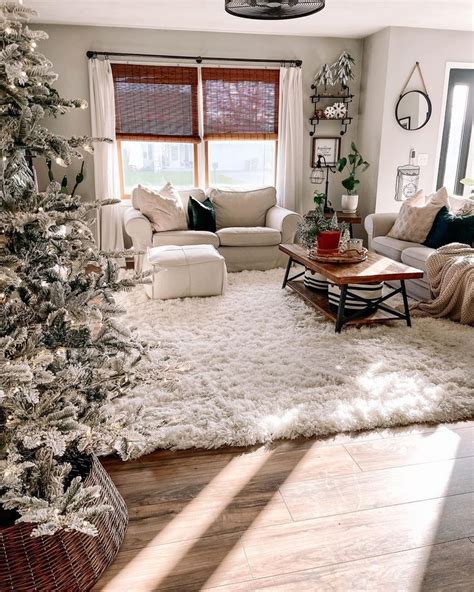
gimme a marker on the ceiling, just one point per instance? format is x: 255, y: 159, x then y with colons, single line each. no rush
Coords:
x: 340, y: 18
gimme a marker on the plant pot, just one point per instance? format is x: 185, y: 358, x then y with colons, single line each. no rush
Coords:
x: 328, y: 241
x: 64, y: 561
x: 349, y: 203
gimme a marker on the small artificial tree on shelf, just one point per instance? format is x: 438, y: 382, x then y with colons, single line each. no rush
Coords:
x: 64, y: 355
x: 343, y: 70
x: 324, y: 77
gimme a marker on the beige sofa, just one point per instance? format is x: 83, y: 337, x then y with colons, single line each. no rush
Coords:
x: 413, y: 254
x: 250, y: 226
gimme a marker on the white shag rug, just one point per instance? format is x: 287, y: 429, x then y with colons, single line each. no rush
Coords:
x: 259, y: 364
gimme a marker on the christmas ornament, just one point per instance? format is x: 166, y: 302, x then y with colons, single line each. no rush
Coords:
x: 330, y: 112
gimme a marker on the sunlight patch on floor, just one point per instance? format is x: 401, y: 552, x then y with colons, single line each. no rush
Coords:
x: 198, y: 515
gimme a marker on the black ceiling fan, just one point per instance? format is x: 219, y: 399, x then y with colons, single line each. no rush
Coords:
x: 273, y: 9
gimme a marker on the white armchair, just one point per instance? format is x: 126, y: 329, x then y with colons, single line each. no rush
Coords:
x: 254, y: 227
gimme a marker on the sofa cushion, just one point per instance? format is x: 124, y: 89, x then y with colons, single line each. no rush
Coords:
x: 461, y: 206
x: 164, y: 209
x: 182, y: 238
x: 416, y: 218
x: 448, y: 228
x: 167, y: 190
x: 391, y: 247
x: 242, y: 208
x: 201, y: 215
x: 416, y: 256
x: 194, y: 192
x: 249, y: 237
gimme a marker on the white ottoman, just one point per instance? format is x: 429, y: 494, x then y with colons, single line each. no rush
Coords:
x: 180, y: 272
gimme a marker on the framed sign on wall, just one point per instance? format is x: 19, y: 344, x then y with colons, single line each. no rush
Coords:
x: 329, y: 147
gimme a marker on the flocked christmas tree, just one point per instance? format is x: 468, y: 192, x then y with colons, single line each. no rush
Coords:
x: 324, y: 77
x: 343, y: 68
x: 64, y: 355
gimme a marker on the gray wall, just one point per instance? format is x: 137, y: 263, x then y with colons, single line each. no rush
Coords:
x: 67, y: 47
x: 388, y: 59
x: 372, y: 92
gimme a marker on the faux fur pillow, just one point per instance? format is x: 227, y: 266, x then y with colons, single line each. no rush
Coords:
x: 164, y: 209
x: 416, y: 217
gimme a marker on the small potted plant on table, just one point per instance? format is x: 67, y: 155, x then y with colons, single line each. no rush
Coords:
x: 326, y: 231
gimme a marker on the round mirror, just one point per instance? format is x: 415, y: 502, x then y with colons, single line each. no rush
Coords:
x: 413, y: 110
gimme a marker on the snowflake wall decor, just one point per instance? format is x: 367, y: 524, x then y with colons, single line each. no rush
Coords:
x: 330, y: 112
x: 340, y: 110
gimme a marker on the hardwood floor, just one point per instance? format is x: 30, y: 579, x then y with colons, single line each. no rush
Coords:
x: 387, y: 510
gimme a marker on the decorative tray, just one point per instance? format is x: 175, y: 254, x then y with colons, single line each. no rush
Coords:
x: 351, y: 256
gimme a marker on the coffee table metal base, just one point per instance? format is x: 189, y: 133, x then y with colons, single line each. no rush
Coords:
x: 362, y: 316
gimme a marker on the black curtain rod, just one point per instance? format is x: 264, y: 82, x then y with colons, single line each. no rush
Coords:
x: 197, y: 59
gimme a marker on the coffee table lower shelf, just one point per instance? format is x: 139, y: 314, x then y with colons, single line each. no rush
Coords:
x: 321, y: 303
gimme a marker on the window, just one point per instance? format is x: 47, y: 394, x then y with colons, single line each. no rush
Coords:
x: 240, y: 109
x: 249, y: 163
x: 157, y: 125
x: 457, y: 146
x: 156, y: 111
x: 156, y: 163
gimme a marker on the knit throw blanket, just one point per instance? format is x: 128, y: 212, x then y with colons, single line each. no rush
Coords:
x: 450, y: 271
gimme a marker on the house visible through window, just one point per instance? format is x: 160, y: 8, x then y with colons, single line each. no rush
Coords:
x: 157, y: 126
x: 457, y: 147
x: 240, y: 109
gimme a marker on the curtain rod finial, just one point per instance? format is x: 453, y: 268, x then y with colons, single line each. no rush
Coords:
x: 90, y: 54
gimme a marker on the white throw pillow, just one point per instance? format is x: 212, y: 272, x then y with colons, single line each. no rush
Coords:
x: 416, y: 217
x: 164, y: 208
x: 461, y: 206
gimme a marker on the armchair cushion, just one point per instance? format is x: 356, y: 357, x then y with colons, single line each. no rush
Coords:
x: 182, y: 238
x: 258, y: 236
x: 242, y: 208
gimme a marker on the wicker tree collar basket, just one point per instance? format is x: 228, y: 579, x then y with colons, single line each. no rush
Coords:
x: 65, y: 561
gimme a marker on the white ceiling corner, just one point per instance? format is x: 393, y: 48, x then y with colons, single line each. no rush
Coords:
x: 340, y: 18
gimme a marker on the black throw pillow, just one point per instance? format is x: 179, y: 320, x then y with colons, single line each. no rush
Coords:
x: 448, y: 228
x: 202, y: 215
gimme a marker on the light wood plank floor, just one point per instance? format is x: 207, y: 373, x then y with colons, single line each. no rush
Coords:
x: 386, y: 510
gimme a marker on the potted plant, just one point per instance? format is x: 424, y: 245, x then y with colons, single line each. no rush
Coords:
x: 355, y: 163
x: 315, y: 227
x: 319, y: 198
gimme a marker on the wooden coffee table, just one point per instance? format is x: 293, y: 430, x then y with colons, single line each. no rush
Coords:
x: 375, y: 268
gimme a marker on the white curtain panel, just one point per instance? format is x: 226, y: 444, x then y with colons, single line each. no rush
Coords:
x: 290, y: 140
x: 107, y: 185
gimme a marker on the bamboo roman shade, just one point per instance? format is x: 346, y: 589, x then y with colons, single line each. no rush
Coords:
x: 240, y: 103
x: 156, y: 103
